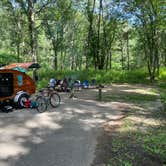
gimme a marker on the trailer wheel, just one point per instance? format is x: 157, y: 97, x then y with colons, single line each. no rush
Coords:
x: 22, y: 98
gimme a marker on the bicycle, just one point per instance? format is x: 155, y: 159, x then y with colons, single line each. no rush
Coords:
x: 73, y: 91
x: 47, y: 96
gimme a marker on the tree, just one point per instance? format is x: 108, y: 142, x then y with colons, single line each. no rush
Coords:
x: 148, y: 19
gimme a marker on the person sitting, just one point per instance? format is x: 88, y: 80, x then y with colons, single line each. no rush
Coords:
x: 52, y: 83
x: 64, y: 85
x: 70, y: 83
x: 85, y: 84
x: 78, y: 84
x: 93, y: 82
x: 58, y: 83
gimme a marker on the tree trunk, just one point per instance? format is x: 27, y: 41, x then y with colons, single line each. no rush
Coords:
x: 91, y: 50
x: 54, y: 45
x: 98, y: 39
x: 18, y: 52
x: 31, y: 19
x: 55, y: 56
x: 110, y: 60
x: 128, y: 56
x: 122, y: 54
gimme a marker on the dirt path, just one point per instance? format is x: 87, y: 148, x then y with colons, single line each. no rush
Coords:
x: 74, y: 133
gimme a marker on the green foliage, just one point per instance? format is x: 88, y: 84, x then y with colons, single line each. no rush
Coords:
x: 101, y: 76
x: 6, y: 58
x: 156, y: 143
x: 162, y: 76
x: 104, y: 77
x: 162, y: 88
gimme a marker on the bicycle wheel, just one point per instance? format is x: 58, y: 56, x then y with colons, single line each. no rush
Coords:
x: 55, y: 100
x: 41, y: 104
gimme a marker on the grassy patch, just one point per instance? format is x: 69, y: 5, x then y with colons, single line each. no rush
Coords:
x: 141, y: 139
x: 155, y: 143
x: 129, y: 97
x: 163, y: 98
x: 137, y: 148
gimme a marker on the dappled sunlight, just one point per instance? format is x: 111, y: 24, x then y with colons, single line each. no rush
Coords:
x: 147, y: 91
x: 16, y: 135
x: 11, y: 148
x: 97, y: 115
x: 144, y: 120
x: 3, y: 163
x: 120, y: 105
x: 90, y: 123
x: 115, y: 117
x: 109, y: 106
x: 36, y: 139
x: 79, y: 111
x: 103, y: 90
x: 121, y: 85
x: 9, y: 132
x: 111, y: 126
x: 135, y: 123
x: 42, y: 121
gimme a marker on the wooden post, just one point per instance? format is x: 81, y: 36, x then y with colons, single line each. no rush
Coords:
x: 100, y: 93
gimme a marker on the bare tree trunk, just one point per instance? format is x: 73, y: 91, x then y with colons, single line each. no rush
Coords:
x: 55, y: 54
x: 128, y: 56
x: 31, y: 19
x: 122, y: 54
x: 110, y: 59
x: 98, y: 39
x: 18, y: 52
x: 90, y: 43
x: 54, y: 45
x: 107, y: 60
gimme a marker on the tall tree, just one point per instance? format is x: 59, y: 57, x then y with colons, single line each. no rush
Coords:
x: 148, y: 19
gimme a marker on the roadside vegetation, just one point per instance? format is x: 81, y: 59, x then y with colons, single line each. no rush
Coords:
x: 139, y: 76
x: 140, y: 139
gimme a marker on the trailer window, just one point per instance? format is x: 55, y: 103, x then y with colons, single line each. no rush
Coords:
x: 20, y: 80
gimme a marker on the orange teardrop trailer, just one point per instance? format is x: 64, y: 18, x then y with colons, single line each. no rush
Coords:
x: 16, y: 85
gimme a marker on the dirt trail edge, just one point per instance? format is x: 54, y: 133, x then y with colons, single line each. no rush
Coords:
x: 136, y: 137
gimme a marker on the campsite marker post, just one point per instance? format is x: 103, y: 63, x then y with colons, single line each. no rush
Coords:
x: 100, y: 93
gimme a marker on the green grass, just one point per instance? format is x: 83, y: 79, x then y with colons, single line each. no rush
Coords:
x: 130, y: 97
x: 133, y: 147
x: 155, y: 143
x: 163, y: 98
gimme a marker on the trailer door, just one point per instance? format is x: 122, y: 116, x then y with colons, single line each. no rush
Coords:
x: 6, y: 84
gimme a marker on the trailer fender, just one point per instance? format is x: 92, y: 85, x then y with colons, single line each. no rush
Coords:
x: 18, y: 95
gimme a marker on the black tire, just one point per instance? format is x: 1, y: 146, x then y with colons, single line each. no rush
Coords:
x: 41, y: 104
x: 21, y: 100
x: 55, y: 100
